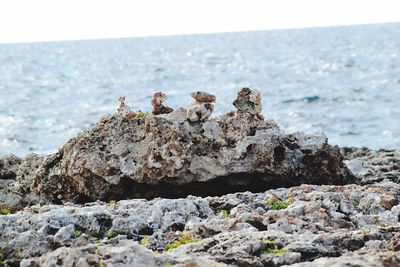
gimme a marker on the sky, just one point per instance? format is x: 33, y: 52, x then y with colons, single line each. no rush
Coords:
x: 55, y: 20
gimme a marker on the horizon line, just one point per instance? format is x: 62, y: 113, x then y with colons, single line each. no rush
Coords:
x: 194, y: 34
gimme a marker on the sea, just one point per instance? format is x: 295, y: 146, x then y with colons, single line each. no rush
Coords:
x: 343, y: 81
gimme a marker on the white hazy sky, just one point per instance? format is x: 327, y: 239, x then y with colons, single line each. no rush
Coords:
x: 51, y: 20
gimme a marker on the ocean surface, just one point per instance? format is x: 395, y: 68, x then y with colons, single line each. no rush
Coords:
x: 344, y: 81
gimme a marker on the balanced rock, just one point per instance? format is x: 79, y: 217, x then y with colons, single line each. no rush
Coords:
x: 167, y: 155
x: 123, y: 109
x: 202, y: 107
x: 157, y: 102
x: 200, y: 96
x: 248, y: 101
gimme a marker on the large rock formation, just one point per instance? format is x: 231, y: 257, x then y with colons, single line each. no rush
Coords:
x: 144, y: 155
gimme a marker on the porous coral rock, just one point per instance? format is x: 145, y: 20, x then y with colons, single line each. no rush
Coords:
x: 127, y: 156
x: 204, y: 97
x: 248, y: 101
x: 165, y: 155
x: 157, y: 102
x: 123, y: 109
x: 16, y: 181
x: 331, y: 226
x: 202, y: 108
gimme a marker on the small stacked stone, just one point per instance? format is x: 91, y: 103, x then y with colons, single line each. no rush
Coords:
x: 248, y: 101
x: 123, y: 109
x: 202, y: 107
x: 157, y: 102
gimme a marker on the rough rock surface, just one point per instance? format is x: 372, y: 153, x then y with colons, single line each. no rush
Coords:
x: 158, y: 104
x: 16, y: 181
x: 340, y: 218
x: 373, y: 165
x: 202, y: 107
x: 248, y: 101
x: 319, y: 224
x: 170, y: 155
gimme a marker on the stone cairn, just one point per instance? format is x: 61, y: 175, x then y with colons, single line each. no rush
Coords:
x: 123, y: 109
x: 202, y: 107
x: 248, y: 101
x: 157, y: 102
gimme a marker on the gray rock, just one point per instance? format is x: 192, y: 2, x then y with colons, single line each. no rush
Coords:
x: 248, y: 101
x: 371, y: 258
x: 355, y: 222
x: 16, y: 181
x: 373, y: 165
x: 127, y: 156
x: 123, y: 109
x: 241, y: 229
x: 64, y: 234
x: 202, y: 107
x: 9, y: 166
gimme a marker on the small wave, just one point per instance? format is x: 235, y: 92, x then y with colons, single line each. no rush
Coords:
x: 307, y: 99
x: 351, y: 133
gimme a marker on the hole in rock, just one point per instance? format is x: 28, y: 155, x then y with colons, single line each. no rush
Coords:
x: 258, y: 225
x: 146, y: 231
x: 219, y: 186
x: 176, y: 227
x: 279, y: 154
x: 241, y: 182
x: 105, y: 224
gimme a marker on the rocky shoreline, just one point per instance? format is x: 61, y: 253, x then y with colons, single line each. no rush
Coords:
x: 180, y: 188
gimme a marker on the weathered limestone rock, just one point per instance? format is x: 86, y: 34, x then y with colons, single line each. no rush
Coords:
x: 9, y: 166
x: 203, y: 97
x: 138, y: 154
x: 123, y: 109
x: 373, y: 165
x: 368, y: 258
x: 202, y: 108
x: 167, y: 155
x: 157, y: 102
x: 248, y: 101
x: 318, y: 225
x: 16, y: 179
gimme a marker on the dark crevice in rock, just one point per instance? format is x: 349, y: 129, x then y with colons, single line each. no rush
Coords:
x: 279, y: 153
x: 309, y: 255
x: 147, y: 230
x: 240, y: 182
x: 258, y: 224
x: 176, y: 227
x: 105, y: 224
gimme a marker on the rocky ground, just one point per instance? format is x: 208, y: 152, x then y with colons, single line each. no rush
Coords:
x: 345, y: 213
x: 307, y: 225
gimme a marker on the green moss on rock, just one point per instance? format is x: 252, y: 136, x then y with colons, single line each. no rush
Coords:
x: 277, y: 204
x: 272, y: 248
x: 183, y: 239
x: 5, y: 211
x: 77, y: 233
x: 111, y: 234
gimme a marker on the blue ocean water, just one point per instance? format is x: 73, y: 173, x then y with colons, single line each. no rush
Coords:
x: 344, y: 81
